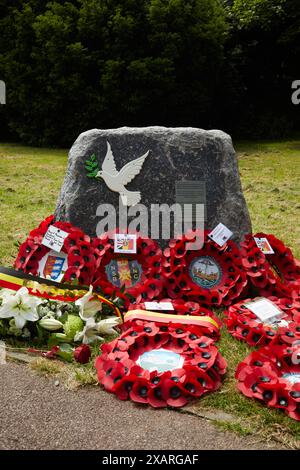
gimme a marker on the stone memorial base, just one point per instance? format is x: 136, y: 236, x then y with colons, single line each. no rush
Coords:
x: 160, y: 163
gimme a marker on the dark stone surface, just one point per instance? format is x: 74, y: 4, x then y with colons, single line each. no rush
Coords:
x: 176, y: 154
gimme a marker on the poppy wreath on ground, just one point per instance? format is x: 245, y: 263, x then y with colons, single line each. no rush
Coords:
x: 295, y: 294
x: 120, y: 370
x: 80, y: 253
x: 188, y: 308
x: 272, y: 375
x: 244, y: 325
x: 275, y: 274
x: 212, y: 275
x: 137, y: 275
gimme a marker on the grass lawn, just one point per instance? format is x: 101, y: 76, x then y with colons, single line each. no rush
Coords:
x: 270, y: 172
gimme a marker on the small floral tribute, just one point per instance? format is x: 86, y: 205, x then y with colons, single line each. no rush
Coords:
x: 81, y: 260
x: 272, y: 375
x: 160, y: 363
x: 137, y: 276
x: 211, y: 275
x: 271, y: 274
x: 60, y: 324
x: 244, y: 325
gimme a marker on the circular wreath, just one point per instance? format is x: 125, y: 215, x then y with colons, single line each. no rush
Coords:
x: 188, y: 308
x: 272, y: 375
x: 141, y: 272
x: 212, y: 275
x: 295, y: 294
x: 244, y: 325
x: 201, y: 372
x: 81, y: 257
x: 275, y: 274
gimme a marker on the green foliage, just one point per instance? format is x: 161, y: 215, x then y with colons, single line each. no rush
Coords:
x: 65, y: 352
x: 72, y: 326
x: 259, y: 12
x: 74, y: 65
x: 262, y: 62
x: 92, y: 167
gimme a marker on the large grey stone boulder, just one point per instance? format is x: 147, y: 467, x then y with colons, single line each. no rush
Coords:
x: 175, y: 154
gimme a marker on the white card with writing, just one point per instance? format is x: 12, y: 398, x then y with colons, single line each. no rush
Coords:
x: 53, y: 266
x: 159, y: 306
x: 125, y: 243
x: 220, y: 234
x: 54, y: 238
x: 265, y: 310
x: 264, y: 245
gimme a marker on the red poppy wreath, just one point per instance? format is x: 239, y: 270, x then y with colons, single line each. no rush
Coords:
x: 160, y: 364
x: 180, y: 307
x: 272, y: 375
x: 275, y: 274
x: 243, y: 324
x: 137, y: 275
x: 81, y: 260
x: 212, y: 275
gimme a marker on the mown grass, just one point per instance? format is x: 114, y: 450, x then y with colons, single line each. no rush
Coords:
x: 30, y: 180
x: 249, y: 416
x: 71, y: 375
x: 270, y: 175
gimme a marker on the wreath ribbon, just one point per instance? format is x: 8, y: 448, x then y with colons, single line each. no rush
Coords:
x: 167, y: 318
x: 14, y: 280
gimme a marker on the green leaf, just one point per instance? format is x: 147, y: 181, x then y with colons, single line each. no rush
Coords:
x: 41, y: 334
x: 53, y: 341
x: 130, y: 297
x: 65, y: 352
x: 56, y: 339
x: 64, y: 317
x: 91, y: 166
x: 122, y: 290
x: 92, y: 160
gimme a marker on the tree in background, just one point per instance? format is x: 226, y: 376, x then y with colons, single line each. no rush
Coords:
x: 38, y: 68
x: 70, y: 66
x: 74, y: 65
x: 263, y: 50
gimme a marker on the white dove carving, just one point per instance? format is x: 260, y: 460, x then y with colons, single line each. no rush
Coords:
x: 117, y: 180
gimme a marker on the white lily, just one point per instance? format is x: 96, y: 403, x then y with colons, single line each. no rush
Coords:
x: 88, y: 306
x: 21, y: 306
x: 89, y: 333
x: 50, y: 324
x: 106, y: 326
x: 6, y: 293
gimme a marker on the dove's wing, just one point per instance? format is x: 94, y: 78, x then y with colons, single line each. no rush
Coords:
x: 131, y: 169
x: 108, y: 164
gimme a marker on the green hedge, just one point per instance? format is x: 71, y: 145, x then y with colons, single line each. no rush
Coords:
x: 75, y: 65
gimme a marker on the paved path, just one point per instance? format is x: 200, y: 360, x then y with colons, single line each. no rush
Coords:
x: 35, y: 414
